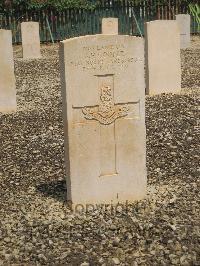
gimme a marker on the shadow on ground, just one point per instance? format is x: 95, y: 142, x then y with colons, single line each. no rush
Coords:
x: 54, y: 189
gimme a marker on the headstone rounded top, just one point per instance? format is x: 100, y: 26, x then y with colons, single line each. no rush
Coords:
x: 163, y: 21
x: 183, y: 15
x: 5, y: 30
x: 32, y: 22
x: 97, y: 37
x: 110, y: 20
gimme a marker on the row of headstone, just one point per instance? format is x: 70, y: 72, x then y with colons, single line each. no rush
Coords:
x: 31, y: 50
x: 163, y: 65
x: 104, y: 108
x: 110, y: 26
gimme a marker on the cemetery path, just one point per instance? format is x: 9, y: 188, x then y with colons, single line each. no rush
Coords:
x: 36, y: 225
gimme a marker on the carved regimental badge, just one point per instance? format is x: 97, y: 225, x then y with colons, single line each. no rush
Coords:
x: 107, y: 111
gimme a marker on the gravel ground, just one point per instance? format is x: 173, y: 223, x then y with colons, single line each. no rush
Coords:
x: 36, y: 225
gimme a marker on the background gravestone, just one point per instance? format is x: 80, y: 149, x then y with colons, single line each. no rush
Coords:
x: 104, y: 118
x: 184, y: 26
x: 110, y: 26
x: 30, y: 40
x: 163, y: 63
x: 7, y: 77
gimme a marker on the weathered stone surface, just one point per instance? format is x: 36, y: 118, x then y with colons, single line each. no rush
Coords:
x: 7, y: 77
x: 110, y: 26
x: 103, y: 105
x: 163, y: 65
x: 184, y: 26
x: 30, y: 40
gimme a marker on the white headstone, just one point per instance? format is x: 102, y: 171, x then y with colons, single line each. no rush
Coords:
x: 110, y: 26
x: 7, y: 76
x: 104, y: 118
x: 163, y: 63
x: 30, y: 40
x: 184, y: 25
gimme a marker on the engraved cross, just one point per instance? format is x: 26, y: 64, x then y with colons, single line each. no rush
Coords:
x: 106, y: 113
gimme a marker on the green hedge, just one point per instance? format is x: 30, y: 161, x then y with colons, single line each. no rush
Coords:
x: 59, y: 5
x: 6, y: 5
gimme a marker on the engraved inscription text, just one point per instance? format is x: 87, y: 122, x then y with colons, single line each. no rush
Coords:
x: 104, y: 57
